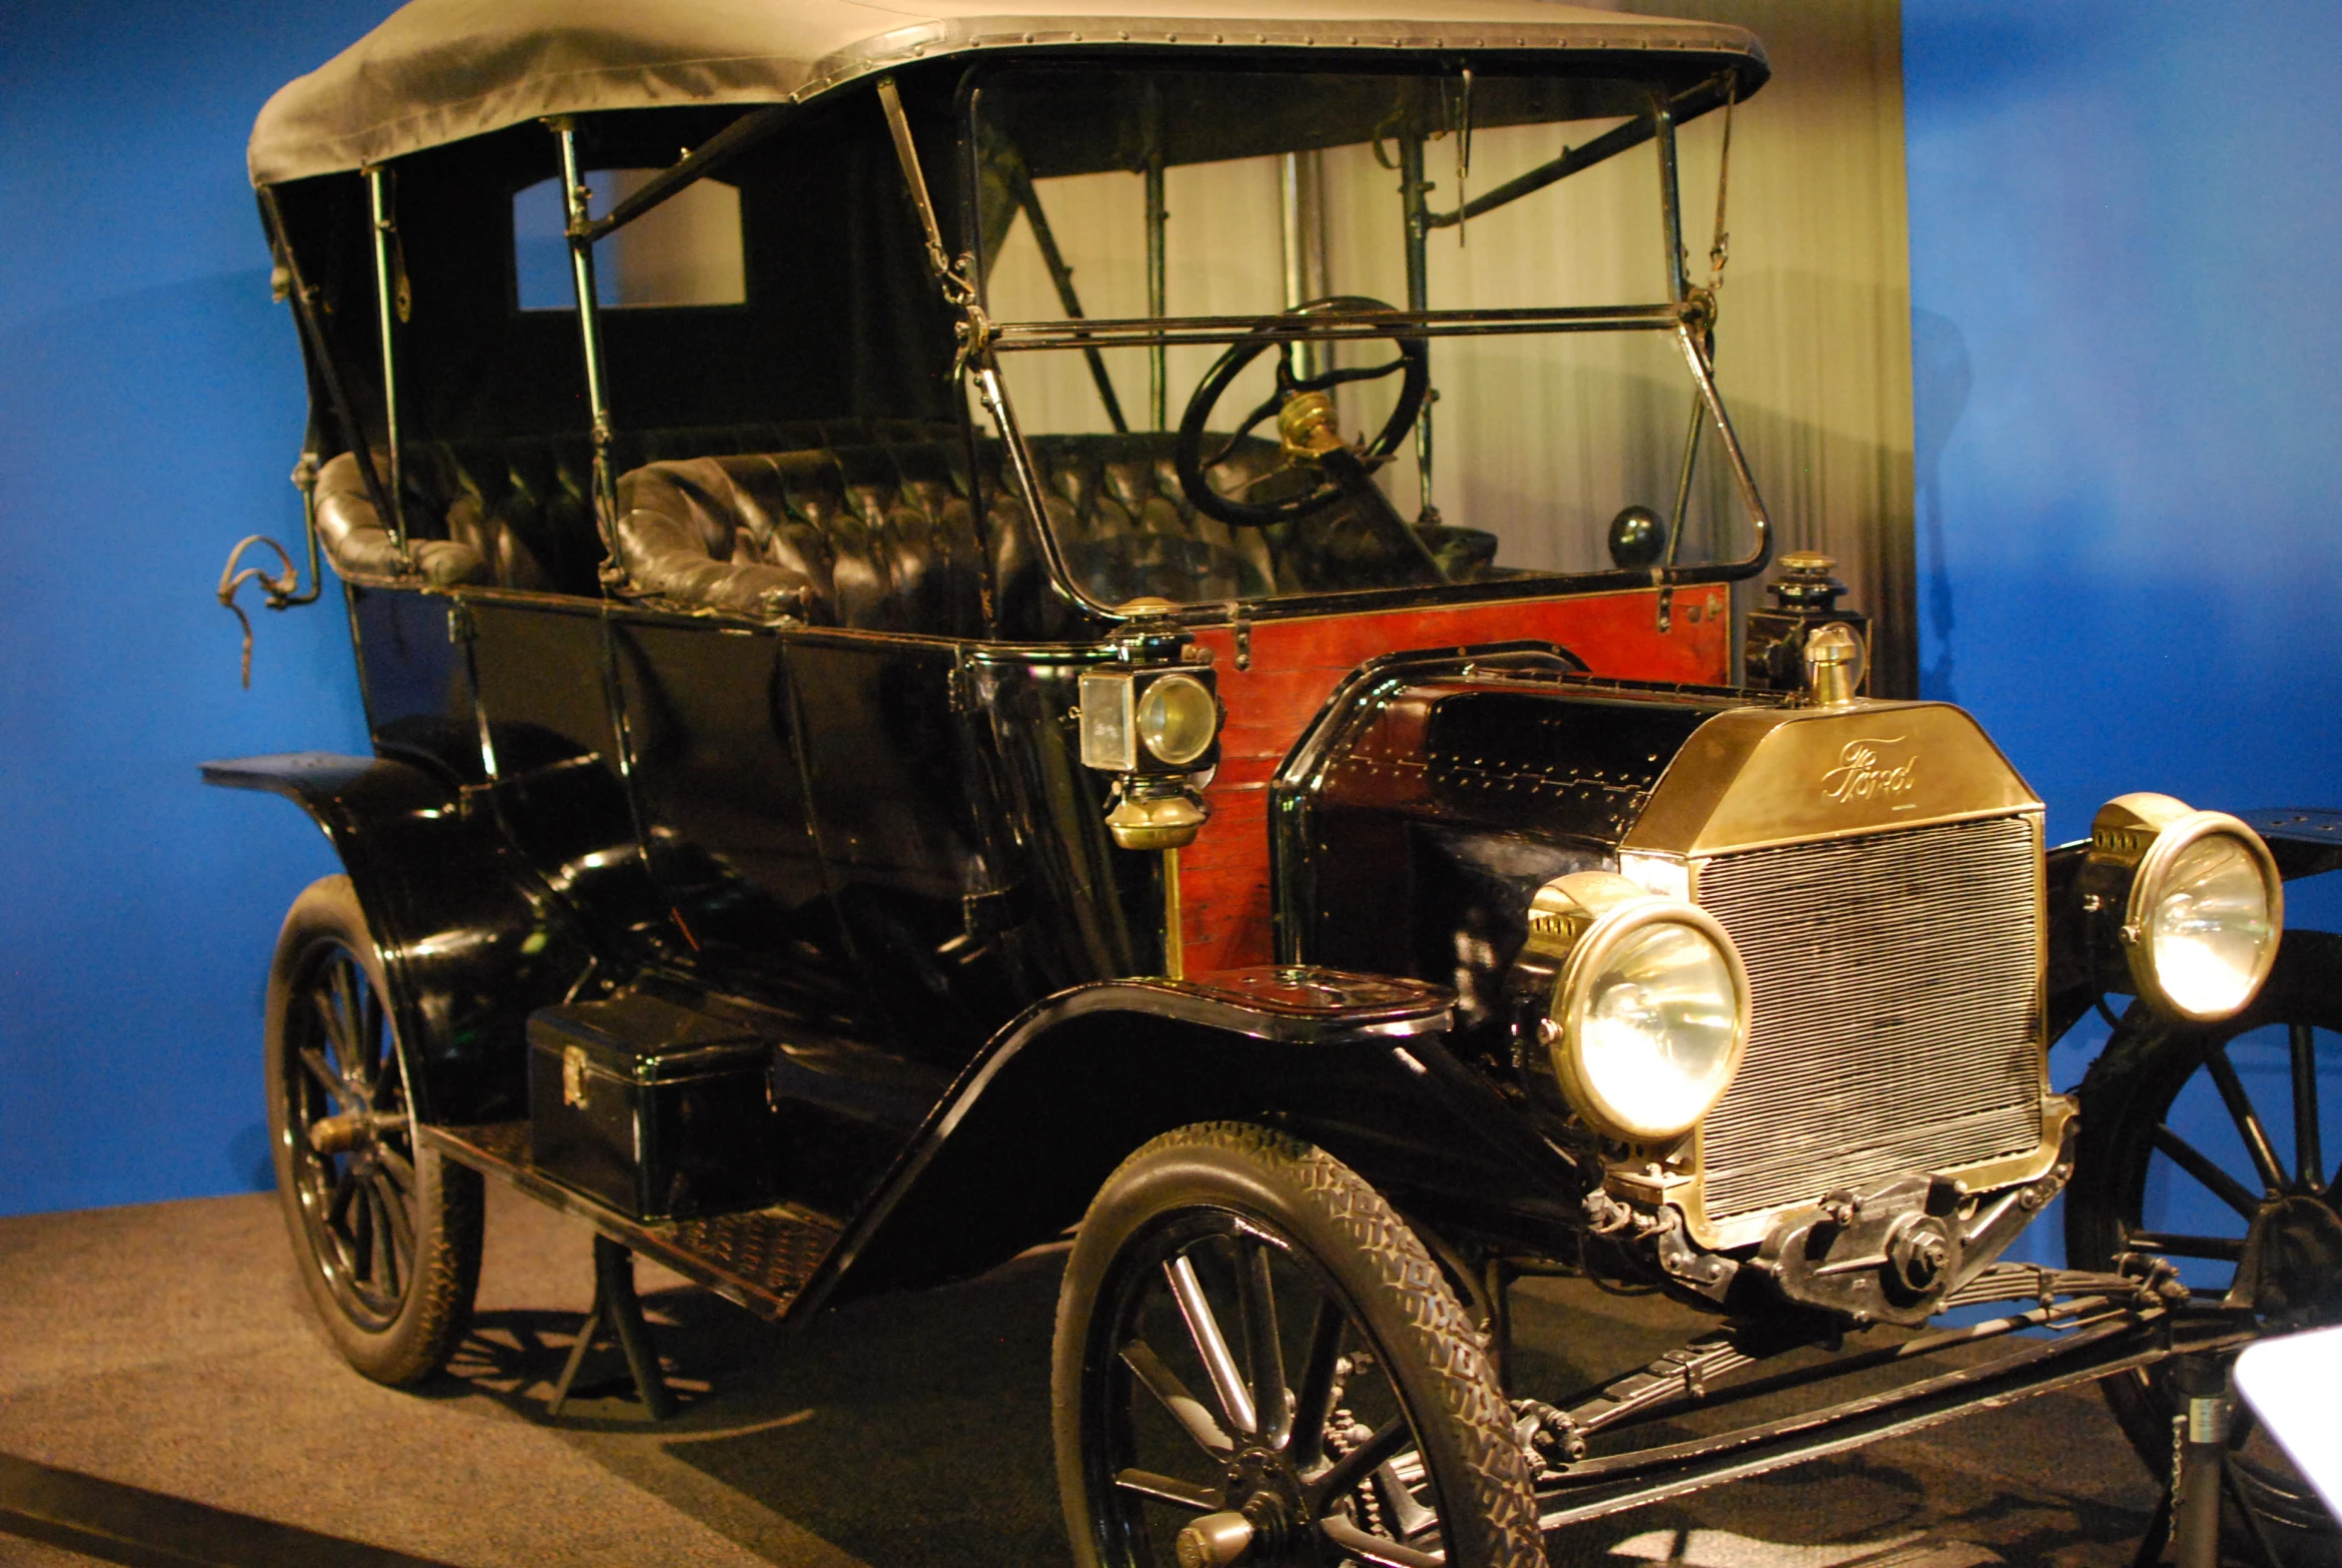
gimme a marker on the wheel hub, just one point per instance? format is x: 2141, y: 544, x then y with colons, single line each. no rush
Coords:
x: 1264, y: 1516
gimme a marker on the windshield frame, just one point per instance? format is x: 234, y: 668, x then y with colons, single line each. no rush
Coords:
x: 1687, y: 314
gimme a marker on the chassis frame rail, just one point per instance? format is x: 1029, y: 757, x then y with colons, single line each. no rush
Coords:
x: 2110, y: 1336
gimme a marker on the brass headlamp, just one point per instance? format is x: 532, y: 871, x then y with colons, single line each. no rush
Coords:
x: 1649, y: 1016
x: 2193, y: 901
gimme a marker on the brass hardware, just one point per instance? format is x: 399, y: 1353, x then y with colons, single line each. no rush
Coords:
x: 1634, y: 1180
x: 573, y: 1074
x: 1581, y: 920
x: 1833, y: 665
x: 1143, y: 819
x: 1766, y: 778
x: 1756, y: 778
x: 340, y: 1134
x: 1690, y: 1197
x: 1306, y: 425
x: 2135, y: 840
x: 1175, y: 941
x: 1215, y: 1540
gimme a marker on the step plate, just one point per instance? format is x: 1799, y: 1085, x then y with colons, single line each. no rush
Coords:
x: 761, y: 1259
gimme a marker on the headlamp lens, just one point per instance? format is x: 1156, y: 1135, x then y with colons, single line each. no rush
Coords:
x: 1177, y: 719
x: 1660, y: 1030
x: 2209, y: 928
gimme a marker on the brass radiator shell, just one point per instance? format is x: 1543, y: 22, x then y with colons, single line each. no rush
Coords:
x: 1881, y: 870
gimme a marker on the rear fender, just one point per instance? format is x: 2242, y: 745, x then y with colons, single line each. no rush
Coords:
x: 1060, y: 1098
x: 470, y: 941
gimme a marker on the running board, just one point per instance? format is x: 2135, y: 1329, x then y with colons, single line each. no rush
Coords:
x: 762, y: 1259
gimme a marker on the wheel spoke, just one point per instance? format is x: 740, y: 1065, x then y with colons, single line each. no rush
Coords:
x: 336, y: 1054
x: 1168, y: 1489
x: 395, y: 1169
x: 395, y: 1211
x: 381, y: 1059
x: 2309, y: 1157
x: 361, y: 1231
x: 2247, y: 1120
x: 1210, y: 1343
x: 1346, y: 1534
x: 338, y: 1206
x: 1316, y: 1395
x: 2191, y: 1159
x: 1264, y: 1356
x: 2220, y: 1249
x: 1160, y: 1381
x: 345, y: 1017
x: 1361, y: 1461
x: 385, y: 1225
x: 315, y: 1060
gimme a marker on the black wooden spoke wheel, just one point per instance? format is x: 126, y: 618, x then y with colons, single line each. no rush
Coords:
x: 386, y: 1234
x: 2205, y: 1147
x: 1190, y: 463
x: 1257, y: 1362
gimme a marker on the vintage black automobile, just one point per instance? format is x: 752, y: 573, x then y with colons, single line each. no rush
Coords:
x: 871, y: 773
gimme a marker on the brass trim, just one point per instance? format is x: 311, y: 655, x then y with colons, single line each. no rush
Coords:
x: 1765, y: 778
x: 1581, y: 919
x: 2145, y: 834
x: 1690, y: 1197
x: 1758, y: 778
x: 1833, y: 665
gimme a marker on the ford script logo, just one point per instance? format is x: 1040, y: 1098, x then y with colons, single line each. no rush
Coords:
x: 1877, y: 768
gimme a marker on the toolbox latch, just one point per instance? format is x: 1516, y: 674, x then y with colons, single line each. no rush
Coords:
x: 573, y: 1074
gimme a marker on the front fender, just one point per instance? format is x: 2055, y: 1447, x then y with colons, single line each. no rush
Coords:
x: 470, y: 943
x: 1066, y: 1091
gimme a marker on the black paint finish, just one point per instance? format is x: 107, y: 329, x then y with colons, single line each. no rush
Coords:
x: 1436, y: 796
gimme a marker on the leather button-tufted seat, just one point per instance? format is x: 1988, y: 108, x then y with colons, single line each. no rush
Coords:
x: 868, y: 536
x: 862, y: 523
x: 882, y: 536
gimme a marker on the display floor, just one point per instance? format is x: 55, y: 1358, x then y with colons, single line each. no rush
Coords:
x: 167, y: 1398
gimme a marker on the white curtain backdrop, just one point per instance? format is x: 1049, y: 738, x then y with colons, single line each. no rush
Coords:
x: 1544, y: 440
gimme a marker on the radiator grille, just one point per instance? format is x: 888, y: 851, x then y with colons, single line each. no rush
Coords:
x: 1896, y: 1010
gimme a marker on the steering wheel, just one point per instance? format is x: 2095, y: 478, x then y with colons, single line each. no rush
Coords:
x: 1188, y: 457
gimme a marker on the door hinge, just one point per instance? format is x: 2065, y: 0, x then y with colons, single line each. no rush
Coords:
x: 962, y: 688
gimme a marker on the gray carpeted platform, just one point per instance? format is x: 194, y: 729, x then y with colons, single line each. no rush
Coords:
x: 165, y: 1397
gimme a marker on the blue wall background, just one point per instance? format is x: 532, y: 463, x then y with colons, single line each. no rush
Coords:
x: 2122, y: 236
x: 151, y: 408
x: 2125, y: 408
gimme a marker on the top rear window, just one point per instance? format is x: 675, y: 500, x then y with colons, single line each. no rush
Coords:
x: 684, y: 252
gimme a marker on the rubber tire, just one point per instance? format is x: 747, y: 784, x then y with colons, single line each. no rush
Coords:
x: 1394, y: 1289
x: 2130, y: 1088
x: 447, y: 1209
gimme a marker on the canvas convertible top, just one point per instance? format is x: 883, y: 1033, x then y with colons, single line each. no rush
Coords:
x: 439, y: 71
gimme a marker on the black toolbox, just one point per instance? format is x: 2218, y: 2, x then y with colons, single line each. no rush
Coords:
x: 658, y: 1110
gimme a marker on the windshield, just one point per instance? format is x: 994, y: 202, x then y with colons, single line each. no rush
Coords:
x: 1538, y: 407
